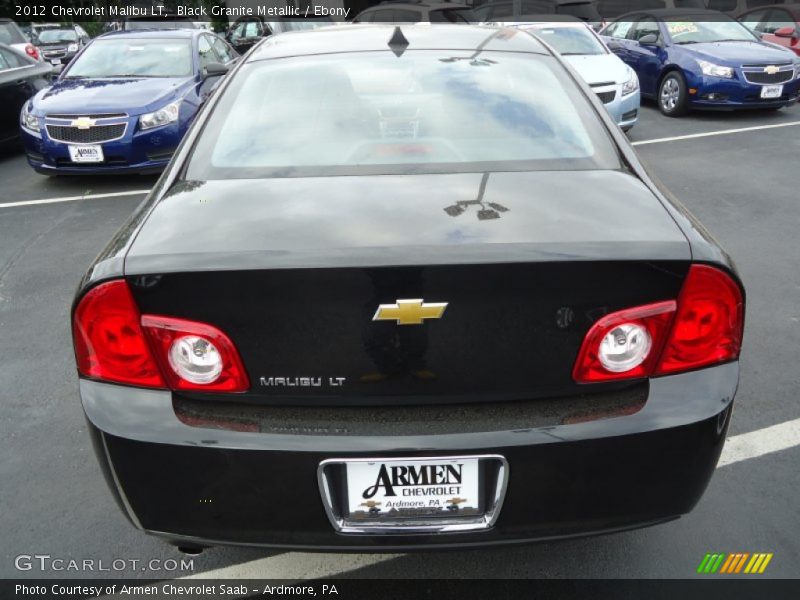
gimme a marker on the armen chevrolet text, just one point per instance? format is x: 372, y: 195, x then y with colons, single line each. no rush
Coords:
x: 401, y: 288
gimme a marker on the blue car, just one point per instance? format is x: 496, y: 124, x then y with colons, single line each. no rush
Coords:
x: 703, y: 59
x: 124, y: 103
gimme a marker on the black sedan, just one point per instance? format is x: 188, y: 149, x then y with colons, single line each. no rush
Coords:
x: 402, y: 288
x: 20, y: 78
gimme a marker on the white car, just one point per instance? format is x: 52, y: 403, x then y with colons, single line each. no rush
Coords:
x: 12, y: 35
x: 615, y: 83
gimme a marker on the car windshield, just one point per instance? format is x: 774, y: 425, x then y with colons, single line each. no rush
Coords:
x: 426, y: 111
x: 687, y: 31
x: 571, y: 40
x: 453, y: 15
x: 157, y: 24
x: 304, y: 25
x: 123, y: 57
x: 49, y: 36
x: 585, y: 11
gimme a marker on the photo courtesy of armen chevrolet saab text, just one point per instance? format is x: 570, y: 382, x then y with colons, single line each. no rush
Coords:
x: 406, y: 287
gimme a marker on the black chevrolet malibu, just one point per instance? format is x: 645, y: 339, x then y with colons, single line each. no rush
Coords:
x: 402, y: 288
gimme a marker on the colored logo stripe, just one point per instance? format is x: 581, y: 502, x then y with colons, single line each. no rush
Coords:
x: 735, y: 563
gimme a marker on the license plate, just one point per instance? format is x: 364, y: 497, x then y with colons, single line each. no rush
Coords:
x: 55, y: 61
x: 772, y: 91
x: 393, y: 489
x: 86, y: 154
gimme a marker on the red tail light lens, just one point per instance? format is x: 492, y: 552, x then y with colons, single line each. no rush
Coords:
x: 703, y: 328
x: 114, y: 343
x: 109, y: 342
x: 709, y: 324
x: 630, y: 338
x: 32, y: 51
x: 195, y: 356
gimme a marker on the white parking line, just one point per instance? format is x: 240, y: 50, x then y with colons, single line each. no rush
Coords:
x: 72, y: 198
x: 760, y: 442
x: 692, y: 136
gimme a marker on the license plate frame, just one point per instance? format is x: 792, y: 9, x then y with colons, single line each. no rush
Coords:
x: 88, y: 153
x: 771, y: 92
x: 491, y: 472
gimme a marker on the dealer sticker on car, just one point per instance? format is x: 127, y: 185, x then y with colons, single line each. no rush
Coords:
x: 772, y: 91
x: 86, y: 154
x: 398, y: 488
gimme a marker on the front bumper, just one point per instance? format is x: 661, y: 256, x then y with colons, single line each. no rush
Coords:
x: 716, y: 92
x: 625, y: 109
x: 135, y: 152
x: 194, y: 484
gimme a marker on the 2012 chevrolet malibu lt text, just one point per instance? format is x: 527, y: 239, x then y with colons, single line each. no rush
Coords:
x: 406, y: 287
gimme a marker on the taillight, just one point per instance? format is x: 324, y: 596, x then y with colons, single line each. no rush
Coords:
x: 709, y: 324
x: 624, y: 344
x: 109, y: 341
x: 32, y: 51
x: 703, y: 328
x: 195, y: 356
x: 113, y: 342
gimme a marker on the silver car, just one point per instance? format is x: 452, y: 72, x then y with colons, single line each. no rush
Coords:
x: 616, y: 84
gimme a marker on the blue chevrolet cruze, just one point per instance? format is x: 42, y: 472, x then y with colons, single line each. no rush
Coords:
x: 124, y: 103
x: 703, y: 59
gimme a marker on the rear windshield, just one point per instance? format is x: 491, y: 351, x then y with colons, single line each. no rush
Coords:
x: 426, y: 111
x: 9, y: 34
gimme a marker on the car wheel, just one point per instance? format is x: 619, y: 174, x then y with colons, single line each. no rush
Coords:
x: 672, y: 96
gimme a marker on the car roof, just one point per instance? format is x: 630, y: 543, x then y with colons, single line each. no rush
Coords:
x: 375, y: 37
x: 423, y: 4
x: 155, y: 33
x: 553, y: 2
x: 666, y: 13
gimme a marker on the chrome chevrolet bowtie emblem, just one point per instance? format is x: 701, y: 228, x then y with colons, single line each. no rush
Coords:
x: 771, y: 70
x: 410, y: 312
x: 83, y: 123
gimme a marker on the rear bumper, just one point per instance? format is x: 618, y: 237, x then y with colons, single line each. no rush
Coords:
x: 219, y: 486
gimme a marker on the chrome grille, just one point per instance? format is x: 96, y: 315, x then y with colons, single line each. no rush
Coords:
x: 606, y: 97
x: 92, y: 135
x: 761, y: 77
x: 68, y: 117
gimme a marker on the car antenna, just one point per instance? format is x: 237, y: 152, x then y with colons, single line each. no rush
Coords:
x: 398, y: 42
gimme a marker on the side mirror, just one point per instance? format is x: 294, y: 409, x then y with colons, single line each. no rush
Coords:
x: 651, y: 39
x: 214, y: 70
x: 786, y: 32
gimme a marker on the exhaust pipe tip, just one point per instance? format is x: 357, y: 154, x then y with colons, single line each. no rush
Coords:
x: 191, y: 550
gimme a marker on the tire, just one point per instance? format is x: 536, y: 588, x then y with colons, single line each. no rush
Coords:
x: 673, y: 98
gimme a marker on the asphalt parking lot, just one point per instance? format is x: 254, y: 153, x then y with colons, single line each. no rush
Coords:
x: 743, y: 187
